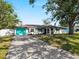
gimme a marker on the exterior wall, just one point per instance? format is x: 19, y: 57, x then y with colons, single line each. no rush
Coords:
x: 60, y: 31
x: 32, y: 30
x: 35, y: 31
x: 41, y: 29
x: 48, y: 31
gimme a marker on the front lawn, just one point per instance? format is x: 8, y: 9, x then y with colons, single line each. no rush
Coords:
x: 4, y: 45
x: 64, y: 41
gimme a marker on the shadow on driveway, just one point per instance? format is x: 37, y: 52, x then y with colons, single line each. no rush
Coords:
x: 32, y: 48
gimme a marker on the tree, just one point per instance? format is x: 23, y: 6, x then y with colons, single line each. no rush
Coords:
x: 46, y: 22
x: 7, y: 16
x: 64, y: 11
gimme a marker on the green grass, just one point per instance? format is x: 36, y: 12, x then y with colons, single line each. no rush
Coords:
x: 64, y: 41
x: 3, y: 53
x: 4, y: 45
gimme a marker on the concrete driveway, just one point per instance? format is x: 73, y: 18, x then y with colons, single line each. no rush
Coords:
x: 26, y: 47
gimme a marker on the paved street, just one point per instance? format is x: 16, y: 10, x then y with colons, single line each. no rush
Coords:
x: 32, y: 48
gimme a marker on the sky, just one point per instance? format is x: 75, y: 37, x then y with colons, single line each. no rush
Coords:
x: 28, y: 14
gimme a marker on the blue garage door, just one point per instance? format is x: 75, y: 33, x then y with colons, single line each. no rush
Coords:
x: 21, y: 31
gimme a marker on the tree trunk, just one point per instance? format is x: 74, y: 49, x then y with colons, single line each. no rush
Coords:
x: 71, y: 28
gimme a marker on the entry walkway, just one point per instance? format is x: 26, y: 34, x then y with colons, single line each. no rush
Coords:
x: 32, y: 48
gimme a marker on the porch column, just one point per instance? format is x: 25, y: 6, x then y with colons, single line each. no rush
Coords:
x: 34, y: 30
x: 29, y: 30
x: 42, y: 31
x: 50, y: 31
x: 54, y: 31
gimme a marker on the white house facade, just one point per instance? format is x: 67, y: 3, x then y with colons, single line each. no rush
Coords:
x: 42, y: 29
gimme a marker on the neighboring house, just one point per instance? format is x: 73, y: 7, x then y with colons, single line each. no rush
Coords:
x: 6, y: 32
x: 42, y: 29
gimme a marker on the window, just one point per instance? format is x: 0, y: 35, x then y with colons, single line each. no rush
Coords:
x: 32, y: 30
x: 40, y: 30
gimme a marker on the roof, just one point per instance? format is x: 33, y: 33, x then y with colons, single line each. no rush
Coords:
x: 42, y: 26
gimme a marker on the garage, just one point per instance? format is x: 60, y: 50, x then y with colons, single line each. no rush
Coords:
x: 21, y: 31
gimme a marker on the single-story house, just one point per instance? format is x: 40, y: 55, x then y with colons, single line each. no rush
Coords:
x: 32, y: 29
x: 43, y: 29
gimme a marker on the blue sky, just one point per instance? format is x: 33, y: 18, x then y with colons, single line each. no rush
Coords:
x: 27, y: 14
